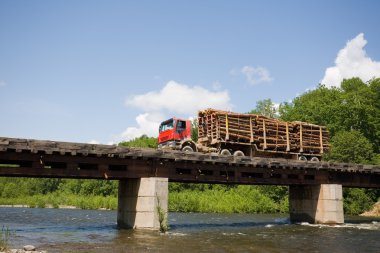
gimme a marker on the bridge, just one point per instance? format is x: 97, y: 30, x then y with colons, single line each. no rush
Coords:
x: 315, y: 188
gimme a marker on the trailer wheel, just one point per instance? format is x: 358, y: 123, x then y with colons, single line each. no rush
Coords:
x: 238, y: 153
x: 187, y: 149
x: 302, y: 158
x: 225, y: 152
x: 314, y: 159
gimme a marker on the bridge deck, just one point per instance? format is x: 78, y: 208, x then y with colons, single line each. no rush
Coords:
x: 36, y: 158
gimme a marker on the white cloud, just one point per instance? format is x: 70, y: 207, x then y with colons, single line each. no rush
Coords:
x: 2, y: 83
x: 94, y: 142
x: 180, y: 98
x: 352, y: 61
x: 255, y: 75
x: 147, y: 123
x: 174, y: 99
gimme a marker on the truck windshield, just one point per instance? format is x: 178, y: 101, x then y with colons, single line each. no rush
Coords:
x: 167, y: 125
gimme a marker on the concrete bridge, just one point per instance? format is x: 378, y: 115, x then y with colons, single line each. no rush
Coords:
x: 315, y: 187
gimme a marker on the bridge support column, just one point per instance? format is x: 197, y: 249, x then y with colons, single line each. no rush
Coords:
x: 316, y: 203
x: 139, y: 200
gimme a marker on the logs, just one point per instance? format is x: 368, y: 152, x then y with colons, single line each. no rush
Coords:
x: 267, y: 133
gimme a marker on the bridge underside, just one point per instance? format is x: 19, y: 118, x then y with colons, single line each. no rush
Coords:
x: 180, y: 167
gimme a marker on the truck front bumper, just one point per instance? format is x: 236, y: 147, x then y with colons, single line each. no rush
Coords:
x: 169, y: 145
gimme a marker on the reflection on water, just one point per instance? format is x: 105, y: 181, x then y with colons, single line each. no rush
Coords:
x: 63, y: 230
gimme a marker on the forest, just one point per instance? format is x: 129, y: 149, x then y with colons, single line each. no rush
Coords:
x: 351, y: 113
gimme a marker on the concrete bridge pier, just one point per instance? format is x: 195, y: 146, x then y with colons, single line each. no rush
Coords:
x: 321, y: 204
x: 138, y: 202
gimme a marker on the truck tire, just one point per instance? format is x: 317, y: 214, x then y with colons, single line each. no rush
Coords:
x: 238, y: 153
x: 302, y: 158
x: 225, y: 152
x: 187, y: 149
x: 314, y: 159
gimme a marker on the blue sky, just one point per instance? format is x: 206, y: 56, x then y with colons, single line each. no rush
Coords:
x: 105, y: 71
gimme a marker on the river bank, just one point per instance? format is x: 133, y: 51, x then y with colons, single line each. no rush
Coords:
x: 49, y: 206
x: 25, y: 249
x: 56, y: 200
x: 374, y: 212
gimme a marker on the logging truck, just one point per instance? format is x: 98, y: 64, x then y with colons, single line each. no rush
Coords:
x: 238, y: 134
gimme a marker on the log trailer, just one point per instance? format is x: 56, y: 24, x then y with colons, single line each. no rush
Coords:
x: 238, y: 134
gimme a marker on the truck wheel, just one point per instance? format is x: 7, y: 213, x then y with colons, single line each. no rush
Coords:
x: 238, y: 153
x: 225, y: 152
x: 314, y: 159
x: 302, y: 158
x: 187, y: 149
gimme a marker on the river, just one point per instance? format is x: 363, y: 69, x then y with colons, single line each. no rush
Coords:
x: 74, y: 230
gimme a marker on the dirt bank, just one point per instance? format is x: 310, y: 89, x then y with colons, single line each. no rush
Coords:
x: 374, y: 212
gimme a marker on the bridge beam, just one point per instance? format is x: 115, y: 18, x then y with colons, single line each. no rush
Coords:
x: 321, y: 204
x: 139, y: 200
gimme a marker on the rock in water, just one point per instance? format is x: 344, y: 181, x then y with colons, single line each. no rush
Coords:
x: 29, y: 248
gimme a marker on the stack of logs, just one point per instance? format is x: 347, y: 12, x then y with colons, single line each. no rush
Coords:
x: 266, y: 133
x: 310, y: 138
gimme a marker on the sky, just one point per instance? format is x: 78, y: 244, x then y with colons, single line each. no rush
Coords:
x: 110, y: 71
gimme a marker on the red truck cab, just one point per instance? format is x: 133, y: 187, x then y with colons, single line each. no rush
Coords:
x: 174, y: 133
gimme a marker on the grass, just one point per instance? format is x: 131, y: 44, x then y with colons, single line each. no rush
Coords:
x: 162, y: 217
x: 5, y: 235
x: 9, y: 165
x: 55, y: 200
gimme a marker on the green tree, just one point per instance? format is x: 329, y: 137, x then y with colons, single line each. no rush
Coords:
x: 350, y: 146
x: 99, y: 188
x: 266, y: 108
x: 356, y: 201
x: 376, y: 159
x: 71, y: 186
x: 9, y: 190
x: 354, y: 106
x: 194, y: 130
x: 320, y: 106
x: 141, y: 142
x: 374, y: 118
x: 43, y: 185
x: 359, y: 112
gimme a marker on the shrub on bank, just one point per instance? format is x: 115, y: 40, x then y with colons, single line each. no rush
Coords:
x: 240, y: 199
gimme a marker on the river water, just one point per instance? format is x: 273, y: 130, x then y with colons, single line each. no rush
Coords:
x: 74, y: 230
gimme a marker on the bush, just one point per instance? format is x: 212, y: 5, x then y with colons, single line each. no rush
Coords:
x: 356, y: 201
x: 240, y: 199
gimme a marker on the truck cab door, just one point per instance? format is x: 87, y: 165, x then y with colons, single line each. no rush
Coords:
x: 181, y: 129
